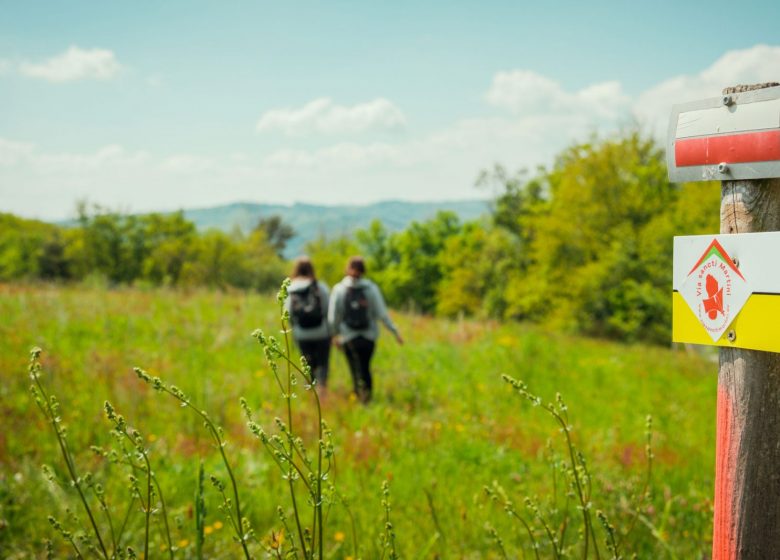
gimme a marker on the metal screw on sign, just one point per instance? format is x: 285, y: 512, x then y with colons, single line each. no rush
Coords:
x: 732, y: 336
x: 723, y: 168
x: 735, y: 260
x: 728, y: 100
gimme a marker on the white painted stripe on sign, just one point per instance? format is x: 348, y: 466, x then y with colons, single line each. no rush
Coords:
x: 747, y: 117
x: 758, y: 255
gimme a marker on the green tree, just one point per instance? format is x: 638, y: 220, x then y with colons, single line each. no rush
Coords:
x: 330, y: 257
x: 107, y: 246
x: 277, y: 233
x: 22, y: 242
x: 53, y: 263
x: 267, y: 269
x: 598, y: 240
x: 168, y: 242
x: 220, y: 262
x: 474, y: 267
x: 412, y: 275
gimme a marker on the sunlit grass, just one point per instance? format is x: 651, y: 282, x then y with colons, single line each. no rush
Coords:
x: 442, y: 426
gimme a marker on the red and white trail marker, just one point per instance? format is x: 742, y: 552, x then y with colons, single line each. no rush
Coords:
x: 736, y: 136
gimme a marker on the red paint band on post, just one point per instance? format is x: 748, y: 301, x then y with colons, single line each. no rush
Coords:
x: 724, y: 538
x: 731, y: 148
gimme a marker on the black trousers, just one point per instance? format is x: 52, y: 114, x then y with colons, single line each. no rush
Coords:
x: 359, y: 352
x: 317, y: 354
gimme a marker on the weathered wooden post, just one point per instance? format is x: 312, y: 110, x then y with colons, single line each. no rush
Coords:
x: 738, y: 143
x: 747, y: 460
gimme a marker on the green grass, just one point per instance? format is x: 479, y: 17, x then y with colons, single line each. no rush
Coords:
x: 442, y: 426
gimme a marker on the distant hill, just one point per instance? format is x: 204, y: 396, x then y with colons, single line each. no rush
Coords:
x: 310, y: 221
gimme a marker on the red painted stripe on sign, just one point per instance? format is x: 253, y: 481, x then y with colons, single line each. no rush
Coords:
x: 730, y: 148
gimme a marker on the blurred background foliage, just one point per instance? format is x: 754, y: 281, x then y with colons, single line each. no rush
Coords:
x: 584, y: 246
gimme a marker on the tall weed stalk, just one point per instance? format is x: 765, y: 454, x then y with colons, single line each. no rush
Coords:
x: 110, y: 542
x: 50, y: 407
x: 552, y: 525
x: 230, y: 507
x: 287, y: 448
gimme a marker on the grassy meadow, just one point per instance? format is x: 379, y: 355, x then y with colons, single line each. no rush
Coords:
x: 443, y: 425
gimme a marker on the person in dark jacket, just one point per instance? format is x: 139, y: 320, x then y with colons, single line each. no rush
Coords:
x: 356, y: 307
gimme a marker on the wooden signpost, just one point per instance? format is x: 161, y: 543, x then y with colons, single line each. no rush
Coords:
x: 724, y: 296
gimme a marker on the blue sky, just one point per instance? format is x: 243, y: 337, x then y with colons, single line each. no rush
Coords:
x: 181, y: 104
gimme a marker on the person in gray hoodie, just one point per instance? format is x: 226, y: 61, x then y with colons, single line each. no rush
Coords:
x: 356, y: 307
x: 307, y: 303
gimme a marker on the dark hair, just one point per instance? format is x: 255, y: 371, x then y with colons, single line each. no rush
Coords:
x: 303, y: 267
x: 356, y: 264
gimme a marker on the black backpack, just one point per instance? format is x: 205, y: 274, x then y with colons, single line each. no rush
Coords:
x: 306, y: 306
x: 356, y: 308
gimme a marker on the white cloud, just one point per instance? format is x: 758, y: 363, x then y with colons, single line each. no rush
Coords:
x: 13, y: 153
x: 757, y: 64
x: 525, y: 93
x: 74, y: 64
x: 341, y: 155
x: 111, y: 156
x: 187, y: 163
x: 324, y: 116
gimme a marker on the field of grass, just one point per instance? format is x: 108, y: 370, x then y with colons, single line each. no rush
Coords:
x: 443, y: 425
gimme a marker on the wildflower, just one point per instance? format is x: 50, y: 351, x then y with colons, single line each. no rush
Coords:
x: 151, y: 438
x: 183, y: 543
x: 339, y: 536
x: 218, y: 524
x: 208, y: 529
x: 277, y: 540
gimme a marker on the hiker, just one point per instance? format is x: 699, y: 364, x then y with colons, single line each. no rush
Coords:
x: 355, y: 308
x: 307, y: 303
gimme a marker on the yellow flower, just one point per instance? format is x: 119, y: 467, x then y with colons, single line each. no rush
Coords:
x: 277, y: 540
x: 183, y: 543
x: 339, y: 536
x: 506, y: 340
x: 208, y: 529
x: 352, y: 397
x: 151, y: 438
x: 218, y: 524
x: 459, y: 427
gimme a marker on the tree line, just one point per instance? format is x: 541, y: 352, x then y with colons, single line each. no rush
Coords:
x: 583, y: 246
x: 152, y: 249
